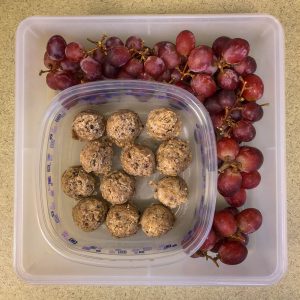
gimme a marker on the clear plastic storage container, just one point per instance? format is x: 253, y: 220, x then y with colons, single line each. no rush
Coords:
x: 37, y: 262
x: 60, y: 151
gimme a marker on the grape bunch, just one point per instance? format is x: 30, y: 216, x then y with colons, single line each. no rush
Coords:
x: 221, y: 77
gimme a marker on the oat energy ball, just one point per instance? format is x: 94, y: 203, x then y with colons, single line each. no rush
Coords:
x: 171, y: 191
x: 88, y: 214
x: 138, y: 160
x: 88, y: 125
x: 173, y: 157
x: 157, y: 220
x: 163, y: 124
x: 123, y: 220
x: 123, y: 127
x: 76, y: 183
x: 117, y: 187
x: 96, y: 156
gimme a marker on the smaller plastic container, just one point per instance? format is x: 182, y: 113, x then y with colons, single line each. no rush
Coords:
x: 59, y: 151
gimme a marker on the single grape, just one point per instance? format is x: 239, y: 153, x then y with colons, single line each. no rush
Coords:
x: 250, y: 180
x: 74, y: 52
x: 169, y: 55
x: 254, y: 88
x: 219, y: 44
x: 50, y: 63
x: 204, y: 85
x: 154, y: 66
x: 123, y: 75
x: 224, y: 223
x: 184, y: 86
x: 235, y: 50
x: 250, y: 159
x: 226, y: 98
x: 98, y: 55
x: 61, y: 80
x: 165, y: 76
x: 236, y: 115
x: 91, y: 68
x: 185, y: 42
x: 249, y: 220
x: 210, y: 241
x: 228, y: 79
x: 232, y: 252
x: 217, y: 245
x: 56, y: 47
x: 233, y: 210
x: 134, y: 67
x: 240, y: 237
x: 244, y: 131
x: 246, y: 66
x: 238, y: 199
x: 134, y: 42
x: 252, y: 111
x: 229, y: 182
x: 212, y: 68
x: 68, y: 65
x: 175, y: 76
x: 158, y: 46
x: 118, y: 56
x: 212, y: 104
x: 227, y: 149
x: 112, y: 42
x: 109, y: 71
x: 145, y: 76
x: 217, y: 120
x: 200, y: 59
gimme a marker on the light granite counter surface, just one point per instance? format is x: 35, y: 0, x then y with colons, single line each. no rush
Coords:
x: 12, y: 12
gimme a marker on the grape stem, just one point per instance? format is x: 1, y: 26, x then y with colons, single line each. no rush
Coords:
x: 213, y: 259
x: 44, y: 71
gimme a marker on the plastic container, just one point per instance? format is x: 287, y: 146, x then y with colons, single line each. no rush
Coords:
x: 59, y: 151
x: 36, y: 262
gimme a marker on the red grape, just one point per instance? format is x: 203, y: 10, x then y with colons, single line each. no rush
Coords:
x: 250, y: 159
x: 254, y: 88
x: 123, y: 75
x: 236, y: 114
x: 204, y: 85
x: 99, y: 55
x: 56, y: 47
x: 185, y: 42
x: 200, y: 58
x: 249, y: 220
x: 252, y: 112
x: 74, y: 52
x: 91, y: 68
x: 219, y: 44
x: 160, y: 45
x: 250, y: 180
x: 175, y: 76
x: 226, y: 98
x: 212, y: 68
x: 165, y: 76
x: 169, y: 55
x: 232, y: 252
x: 118, y: 56
x: 68, y: 65
x: 109, y: 71
x: 229, y: 182
x: 246, y: 66
x: 112, y: 42
x: 235, y: 50
x: 145, y: 76
x: 154, y: 66
x: 134, y: 67
x: 209, y: 242
x: 238, y: 199
x: 60, y: 80
x: 227, y: 149
x: 224, y: 223
x: 217, y: 245
x: 217, y: 120
x: 233, y: 210
x: 184, y: 86
x: 50, y: 63
x: 244, y: 131
x: 134, y: 42
x: 212, y: 104
x: 228, y: 79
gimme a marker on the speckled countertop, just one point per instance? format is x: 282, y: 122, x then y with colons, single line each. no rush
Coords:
x: 12, y: 12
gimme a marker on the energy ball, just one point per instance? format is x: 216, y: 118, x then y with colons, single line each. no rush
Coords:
x: 117, y: 187
x: 123, y: 220
x: 171, y: 191
x: 76, y: 183
x: 157, y: 220
x: 88, y: 214
x: 138, y: 160
x: 173, y: 157
x: 88, y: 126
x: 163, y: 124
x: 123, y: 127
x: 96, y: 156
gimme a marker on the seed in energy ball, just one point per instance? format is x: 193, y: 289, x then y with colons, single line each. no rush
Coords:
x: 163, y: 124
x: 157, y: 220
x: 88, y: 125
x: 89, y: 213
